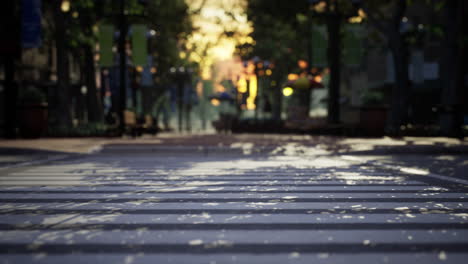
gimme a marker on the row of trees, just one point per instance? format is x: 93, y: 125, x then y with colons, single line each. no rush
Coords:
x: 282, y: 35
x: 169, y: 19
x: 71, y: 29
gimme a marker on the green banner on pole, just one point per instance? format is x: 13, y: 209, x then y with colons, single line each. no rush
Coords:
x: 106, y: 41
x: 139, y: 45
x: 353, y: 51
x: 319, y: 46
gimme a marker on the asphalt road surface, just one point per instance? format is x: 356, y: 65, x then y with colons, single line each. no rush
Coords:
x: 144, y: 204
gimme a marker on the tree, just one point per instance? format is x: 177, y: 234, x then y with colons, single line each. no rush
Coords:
x: 452, y: 68
x: 171, y: 20
x: 63, y: 72
x: 9, y: 52
x: 387, y: 18
x: 84, y: 41
x: 280, y: 37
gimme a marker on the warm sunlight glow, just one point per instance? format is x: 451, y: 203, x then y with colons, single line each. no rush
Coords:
x: 209, y: 44
x: 224, y: 51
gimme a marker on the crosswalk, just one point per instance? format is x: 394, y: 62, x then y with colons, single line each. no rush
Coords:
x: 220, y: 207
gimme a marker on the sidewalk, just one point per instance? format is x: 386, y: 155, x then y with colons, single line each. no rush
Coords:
x: 25, y: 151
x: 444, y: 156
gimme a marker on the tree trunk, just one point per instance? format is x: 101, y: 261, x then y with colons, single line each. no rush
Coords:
x: 63, y: 70
x: 122, y: 97
x: 10, y: 51
x: 451, y: 65
x: 400, y: 94
x: 278, y: 93
x: 93, y: 97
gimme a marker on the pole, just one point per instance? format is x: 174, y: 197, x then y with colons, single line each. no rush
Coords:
x: 334, y: 44
x: 309, y: 41
x: 122, y: 64
x: 180, y: 96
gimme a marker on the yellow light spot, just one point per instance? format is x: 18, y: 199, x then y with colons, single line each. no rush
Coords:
x: 139, y: 69
x: 355, y: 20
x: 252, y: 93
x: 320, y: 7
x: 362, y: 13
x: 215, y: 102
x: 293, y: 77
x: 242, y: 85
x: 318, y: 78
x: 288, y: 91
x: 268, y: 72
x: 182, y: 55
x: 65, y: 6
x: 302, y: 64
